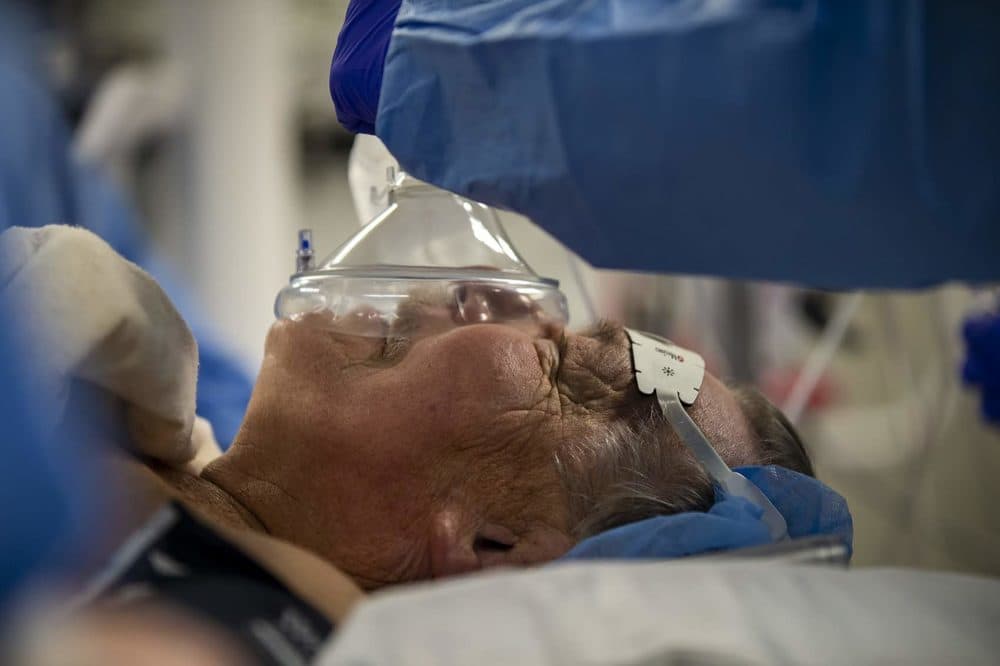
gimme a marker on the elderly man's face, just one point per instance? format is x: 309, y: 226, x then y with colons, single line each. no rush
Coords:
x: 436, y: 456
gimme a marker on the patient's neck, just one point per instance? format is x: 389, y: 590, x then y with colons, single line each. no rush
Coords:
x: 247, y: 479
x: 210, y: 499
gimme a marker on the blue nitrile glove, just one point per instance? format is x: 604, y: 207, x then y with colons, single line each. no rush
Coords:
x: 810, y: 508
x: 982, y: 362
x: 356, y: 71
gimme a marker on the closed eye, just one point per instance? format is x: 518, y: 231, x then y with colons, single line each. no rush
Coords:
x: 392, y: 351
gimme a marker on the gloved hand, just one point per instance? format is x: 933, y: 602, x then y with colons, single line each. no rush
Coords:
x: 809, y: 507
x: 356, y: 71
x: 982, y: 362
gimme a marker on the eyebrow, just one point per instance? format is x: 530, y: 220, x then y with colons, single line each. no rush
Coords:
x: 604, y: 331
x: 610, y: 337
x: 410, y: 311
x: 395, y: 349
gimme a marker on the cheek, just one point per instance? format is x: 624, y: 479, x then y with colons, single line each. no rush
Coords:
x: 453, y: 392
x: 401, y: 421
x: 491, y: 365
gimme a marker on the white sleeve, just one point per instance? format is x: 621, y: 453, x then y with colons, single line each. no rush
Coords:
x: 91, y: 315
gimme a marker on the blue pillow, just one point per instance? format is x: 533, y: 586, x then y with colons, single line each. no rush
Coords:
x: 810, y: 508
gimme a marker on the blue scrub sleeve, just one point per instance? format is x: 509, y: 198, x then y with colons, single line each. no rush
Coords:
x: 40, y: 492
x: 836, y: 144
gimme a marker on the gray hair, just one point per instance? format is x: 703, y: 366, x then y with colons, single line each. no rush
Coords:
x: 778, y: 443
x: 632, y: 469
x: 628, y: 471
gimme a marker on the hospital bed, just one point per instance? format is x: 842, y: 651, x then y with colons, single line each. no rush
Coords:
x: 819, y: 550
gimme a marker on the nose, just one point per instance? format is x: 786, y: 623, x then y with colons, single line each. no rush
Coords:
x: 554, y: 331
x: 482, y: 303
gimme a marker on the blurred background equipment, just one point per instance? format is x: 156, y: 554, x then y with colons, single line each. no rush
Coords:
x: 213, y: 122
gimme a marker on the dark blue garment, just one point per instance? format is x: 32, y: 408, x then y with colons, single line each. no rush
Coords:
x: 178, y: 560
x: 834, y: 143
x: 809, y: 507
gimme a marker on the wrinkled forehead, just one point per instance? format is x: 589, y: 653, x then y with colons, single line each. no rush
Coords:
x: 604, y: 349
x: 591, y: 369
x: 595, y: 371
x: 599, y: 359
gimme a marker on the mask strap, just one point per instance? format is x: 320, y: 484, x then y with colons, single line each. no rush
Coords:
x: 674, y: 376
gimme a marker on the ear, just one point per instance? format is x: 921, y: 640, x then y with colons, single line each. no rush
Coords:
x: 452, y: 544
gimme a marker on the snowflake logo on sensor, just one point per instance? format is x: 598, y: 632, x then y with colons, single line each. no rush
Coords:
x: 669, y: 372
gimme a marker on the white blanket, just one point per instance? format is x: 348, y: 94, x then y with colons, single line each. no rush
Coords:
x: 90, y: 315
x: 634, y: 614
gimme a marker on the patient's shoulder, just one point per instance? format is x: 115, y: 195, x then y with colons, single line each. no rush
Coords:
x: 132, y: 493
x: 150, y: 485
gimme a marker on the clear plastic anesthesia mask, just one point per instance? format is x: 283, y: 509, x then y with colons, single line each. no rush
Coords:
x: 674, y: 376
x: 429, y: 251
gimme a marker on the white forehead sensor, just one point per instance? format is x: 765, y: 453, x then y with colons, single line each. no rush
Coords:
x: 674, y: 375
